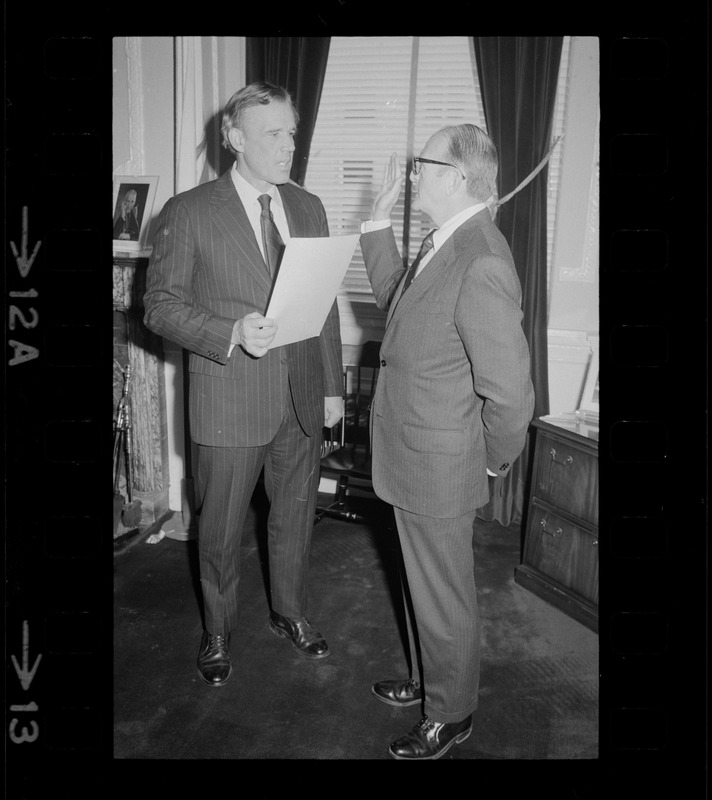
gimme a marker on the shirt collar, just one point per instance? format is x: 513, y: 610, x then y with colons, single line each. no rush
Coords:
x: 448, y: 228
x: 247, y: 192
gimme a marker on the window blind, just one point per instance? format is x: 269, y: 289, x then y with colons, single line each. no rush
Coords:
x: 363, y: 118
x: 447, y: 93
x: 382, y: 95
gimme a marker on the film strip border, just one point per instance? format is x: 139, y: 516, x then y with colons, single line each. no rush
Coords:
x: 58, y: 623
x: 652, y: 390
x: 653, y: 401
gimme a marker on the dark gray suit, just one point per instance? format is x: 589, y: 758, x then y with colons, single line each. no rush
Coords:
x: 454, y: 398
x: 206, y: 272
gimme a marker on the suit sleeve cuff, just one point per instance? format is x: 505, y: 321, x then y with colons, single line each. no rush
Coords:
x: 234, y: 339
x: 375, y: 225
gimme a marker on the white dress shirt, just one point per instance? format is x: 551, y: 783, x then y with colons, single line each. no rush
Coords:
x: 441, y: 235
x: 248, y: 195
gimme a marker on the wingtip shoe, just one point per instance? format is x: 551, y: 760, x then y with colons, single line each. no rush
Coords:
x: 430, y: 739
x: 214, y: 667
x: 306, y: 640
x: 399, y: 693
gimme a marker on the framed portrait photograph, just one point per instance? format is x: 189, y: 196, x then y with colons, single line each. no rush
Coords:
x: 133, y: 205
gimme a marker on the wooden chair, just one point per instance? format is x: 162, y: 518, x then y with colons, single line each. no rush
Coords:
x: 346, y: 451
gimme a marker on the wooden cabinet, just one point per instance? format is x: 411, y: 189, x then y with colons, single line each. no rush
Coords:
x: 560, y: 552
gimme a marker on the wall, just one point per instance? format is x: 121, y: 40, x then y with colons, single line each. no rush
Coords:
x: 143, y: 144
x: 573, y: 286
x: 143, y: 111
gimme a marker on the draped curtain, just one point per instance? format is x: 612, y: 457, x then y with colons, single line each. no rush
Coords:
x: 194, y: 104
x: 518, y: 78
x: 208, y: 70
x: 298, y: 63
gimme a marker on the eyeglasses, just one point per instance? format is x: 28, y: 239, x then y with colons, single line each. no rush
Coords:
x: 417, y: 161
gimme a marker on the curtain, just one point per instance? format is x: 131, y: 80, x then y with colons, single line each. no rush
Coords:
x: 298, y: 63
x: 518, y: 77
x: 193, y: 105
x: 208, y: 70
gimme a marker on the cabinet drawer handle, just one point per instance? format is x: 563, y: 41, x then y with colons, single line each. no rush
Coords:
x: 567, y: 460
x: 557, y: 532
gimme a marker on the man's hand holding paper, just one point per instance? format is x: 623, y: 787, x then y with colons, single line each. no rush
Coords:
x: 254, y: 333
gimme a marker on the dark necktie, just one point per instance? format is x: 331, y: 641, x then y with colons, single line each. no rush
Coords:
x: 424, y: 248
x: 271, y: 240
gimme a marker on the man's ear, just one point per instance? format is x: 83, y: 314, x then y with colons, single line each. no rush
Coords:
x: 236, y: 139
x: 453, y: 182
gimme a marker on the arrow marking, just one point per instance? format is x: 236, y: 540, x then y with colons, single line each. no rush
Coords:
x: 24, y: 264
x: 26, y: 676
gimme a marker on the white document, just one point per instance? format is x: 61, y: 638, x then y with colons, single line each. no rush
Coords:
x: 309, y: 277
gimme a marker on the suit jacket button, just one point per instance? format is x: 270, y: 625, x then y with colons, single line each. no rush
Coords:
x: 383, y: 362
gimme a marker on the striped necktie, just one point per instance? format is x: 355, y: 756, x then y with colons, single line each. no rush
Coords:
x: 271, y: 240
x: 424, y: 248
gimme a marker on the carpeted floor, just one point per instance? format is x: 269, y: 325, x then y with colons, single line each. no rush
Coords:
x: 539, y: 684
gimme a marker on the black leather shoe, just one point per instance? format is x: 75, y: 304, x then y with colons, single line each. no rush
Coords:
x: 429, y: 739
x: 214, y: 665
x: 305, y: 639
x: 398, y: 693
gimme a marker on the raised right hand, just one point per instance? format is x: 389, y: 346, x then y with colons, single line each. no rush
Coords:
x: 389, y: 192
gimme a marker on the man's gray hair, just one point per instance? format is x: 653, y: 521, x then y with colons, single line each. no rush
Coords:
x: 260, y: 93
x: 475, y: 153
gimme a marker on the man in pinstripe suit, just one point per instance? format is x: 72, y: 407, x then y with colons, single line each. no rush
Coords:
x: 452, y: 406
x: 215, y: 256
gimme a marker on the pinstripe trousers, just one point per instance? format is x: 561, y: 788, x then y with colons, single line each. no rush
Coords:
x: 226, y: 480
x: 440, y: 579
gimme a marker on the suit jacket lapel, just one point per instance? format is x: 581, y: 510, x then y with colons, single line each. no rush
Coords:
x: 291, y: 212
x: 230, y: 218
x: 299, y: 222
x: 426, y: 278
x: 438, y: 264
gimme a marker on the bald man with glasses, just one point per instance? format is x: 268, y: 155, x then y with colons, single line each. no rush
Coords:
x: 452, y: 407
